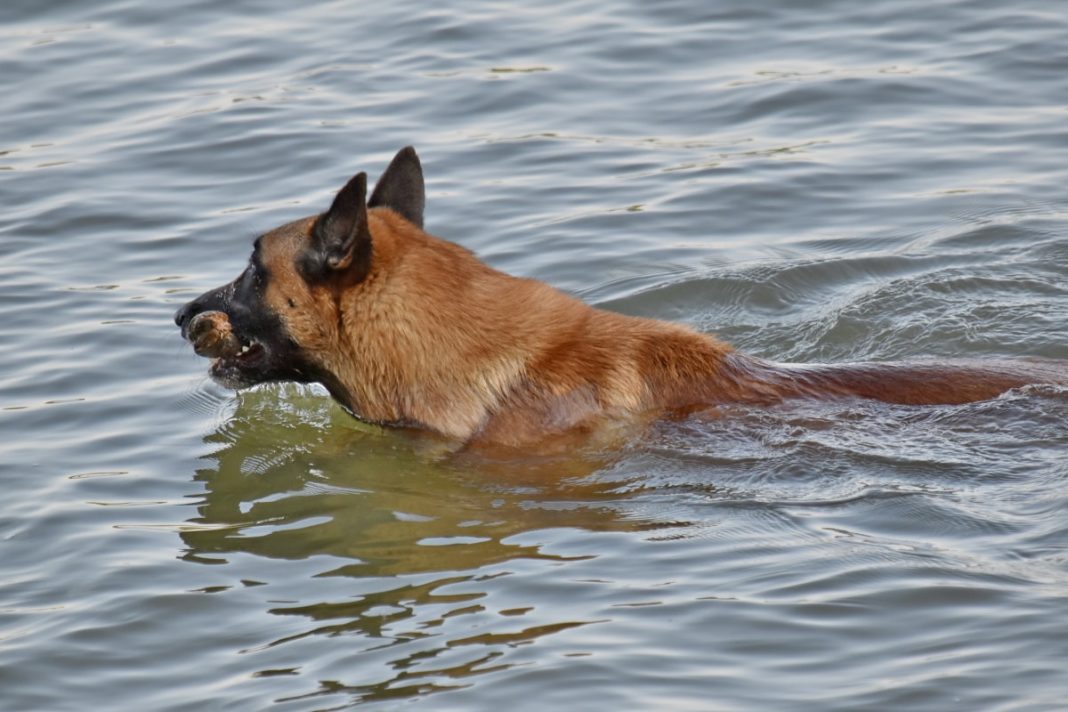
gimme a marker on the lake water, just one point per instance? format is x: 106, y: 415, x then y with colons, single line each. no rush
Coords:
x: 814, y: 182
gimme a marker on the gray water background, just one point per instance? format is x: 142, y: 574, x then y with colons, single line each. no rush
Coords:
x: 812, y: 181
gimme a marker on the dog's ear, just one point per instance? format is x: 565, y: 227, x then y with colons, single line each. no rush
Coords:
x: 341, y: 238
x: 401, y: 187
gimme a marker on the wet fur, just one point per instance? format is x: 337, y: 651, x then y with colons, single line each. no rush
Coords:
x: 407, y: 329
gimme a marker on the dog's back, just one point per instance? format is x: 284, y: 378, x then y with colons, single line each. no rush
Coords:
x: 512, y: 360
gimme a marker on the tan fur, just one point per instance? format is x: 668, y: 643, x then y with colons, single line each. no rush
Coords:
x: 435, y: 338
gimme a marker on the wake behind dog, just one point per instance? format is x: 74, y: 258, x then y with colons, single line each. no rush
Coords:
x: 406, y: 329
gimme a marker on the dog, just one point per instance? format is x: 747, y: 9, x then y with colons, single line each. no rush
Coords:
x: 407, y: 329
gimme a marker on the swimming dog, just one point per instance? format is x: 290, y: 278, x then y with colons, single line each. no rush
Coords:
x: 407, y: 329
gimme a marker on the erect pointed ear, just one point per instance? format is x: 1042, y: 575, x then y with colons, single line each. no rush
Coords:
x: 341, y: 239
x: 401, y: 187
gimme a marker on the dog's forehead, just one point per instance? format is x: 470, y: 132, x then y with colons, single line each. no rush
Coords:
x: 281, y: 244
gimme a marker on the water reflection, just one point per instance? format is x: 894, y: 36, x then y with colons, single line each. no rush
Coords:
x: 421, y: 561
x: 295, y: 478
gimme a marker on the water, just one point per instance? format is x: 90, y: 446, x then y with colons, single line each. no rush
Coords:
x: 829, y: 182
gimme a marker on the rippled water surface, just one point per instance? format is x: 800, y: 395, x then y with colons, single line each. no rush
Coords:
x: 829, y: 182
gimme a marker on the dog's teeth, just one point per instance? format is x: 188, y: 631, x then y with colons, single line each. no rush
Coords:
x: 244, y: 348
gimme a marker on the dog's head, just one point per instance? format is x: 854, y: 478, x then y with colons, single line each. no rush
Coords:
x: 274, y: 322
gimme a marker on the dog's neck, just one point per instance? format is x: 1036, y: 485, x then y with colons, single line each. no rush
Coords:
x: 433, y: 355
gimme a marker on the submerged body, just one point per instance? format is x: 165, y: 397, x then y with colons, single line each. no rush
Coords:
x: 404, y: 328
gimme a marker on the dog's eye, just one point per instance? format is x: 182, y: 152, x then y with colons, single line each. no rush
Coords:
x: 292, y: 302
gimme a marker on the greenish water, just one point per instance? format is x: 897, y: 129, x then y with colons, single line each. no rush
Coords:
x: 833, y: 182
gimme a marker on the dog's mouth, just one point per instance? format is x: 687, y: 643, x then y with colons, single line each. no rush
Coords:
x: 250, y: 355
x: 240, y: 369
x: 236, y: 359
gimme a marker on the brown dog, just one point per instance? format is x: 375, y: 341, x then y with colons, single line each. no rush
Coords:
x: 404, y: 328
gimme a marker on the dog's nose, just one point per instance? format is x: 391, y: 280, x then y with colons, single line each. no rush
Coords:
x: 184, y: 313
